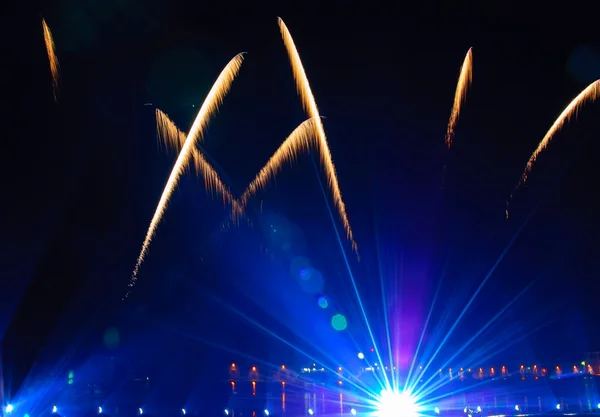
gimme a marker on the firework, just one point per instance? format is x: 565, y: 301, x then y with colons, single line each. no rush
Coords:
x: 211, y: 104
x: 590, y: 94
x: 301, y: 139
x: 50, y: 49
x: 174, y: 138
x: 310, y: 106
x: 464, y: 82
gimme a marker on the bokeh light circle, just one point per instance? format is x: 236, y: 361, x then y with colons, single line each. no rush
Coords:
x: 111, y: 338
x: 339, y: 322
x: 322, y: 301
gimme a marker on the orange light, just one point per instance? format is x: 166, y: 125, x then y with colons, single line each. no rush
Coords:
x: 232, y: 384
x: 253, y: 384
x: 283, y: 367
x: 233, y: 365
x: 340, y: 382
x: 254, y: 369
x: 283, y: 383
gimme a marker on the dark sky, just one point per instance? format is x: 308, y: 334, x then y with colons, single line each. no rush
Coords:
x: 82, y: 177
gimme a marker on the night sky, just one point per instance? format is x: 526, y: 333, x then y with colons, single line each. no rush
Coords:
x: 82, y: 176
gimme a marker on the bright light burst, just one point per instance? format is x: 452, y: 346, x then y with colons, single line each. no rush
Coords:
x: 211, y: 104
x: 396, y: 404
x: 464, y: 82
x: 310, y: 106
x: 53, y: 60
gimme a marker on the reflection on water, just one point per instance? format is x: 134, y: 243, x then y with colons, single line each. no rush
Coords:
x: 504, y: 397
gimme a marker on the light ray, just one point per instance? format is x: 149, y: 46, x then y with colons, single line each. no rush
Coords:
x: 589, y: 95
x: 53, y: 60
x: 460, y: 95
x: 211, y: 104
x: 310, y: 106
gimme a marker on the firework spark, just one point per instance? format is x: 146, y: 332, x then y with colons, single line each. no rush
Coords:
x: 464, y: 82
x: 211, y: 104
x: 310, y: 106
x: 174, y: 138
x: 590, y: 94
x: 301, y: 139
x: 51, y: 50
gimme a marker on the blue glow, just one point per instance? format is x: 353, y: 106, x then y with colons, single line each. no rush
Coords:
x: 323, y: 302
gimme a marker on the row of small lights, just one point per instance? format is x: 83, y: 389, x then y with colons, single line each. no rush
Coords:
x: 503, y: 369
x: 9, y: 409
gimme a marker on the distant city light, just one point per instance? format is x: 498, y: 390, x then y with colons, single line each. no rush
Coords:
x: 361, y: 355
x: 353, y: 412
x: 9, y: 408
x: 54, y: 409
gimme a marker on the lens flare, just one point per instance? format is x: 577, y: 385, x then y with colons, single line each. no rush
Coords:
x: 210, y: 106
x: 464, y: 82
x: 51, y: 51
x: 310, y: 106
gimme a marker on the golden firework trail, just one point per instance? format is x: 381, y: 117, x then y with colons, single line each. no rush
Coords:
x: 174, y: 138
x: 51, y: 50
x: 209, y: 107
x: 302, y: 139
x: 310, y: 106
x: 460, y: 95
x: 589, y: 94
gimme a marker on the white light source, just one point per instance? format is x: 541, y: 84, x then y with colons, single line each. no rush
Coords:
x: 437, y: 410
x: 353, y: 412
x: 54, y: 409
x: 266, y: 412
x: 9, y: 408
x: 99, y: 410
x: 183, y: 411
x: 393, y: 404
x: 479, y: 409
x: 558, y: 406
x: 517, y: 407
x: 311, y: 412
x: 361, y: 355
x: 140, y: 411
x: 226, y: 412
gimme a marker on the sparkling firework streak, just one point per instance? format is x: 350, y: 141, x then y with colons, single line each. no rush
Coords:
x: 464, y: 82
x: 301, y: 139
x: 174, y: 138
x: 310, y: 106
x: 590, y: 94
x: 211, y: 104
x: 51, y: 50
